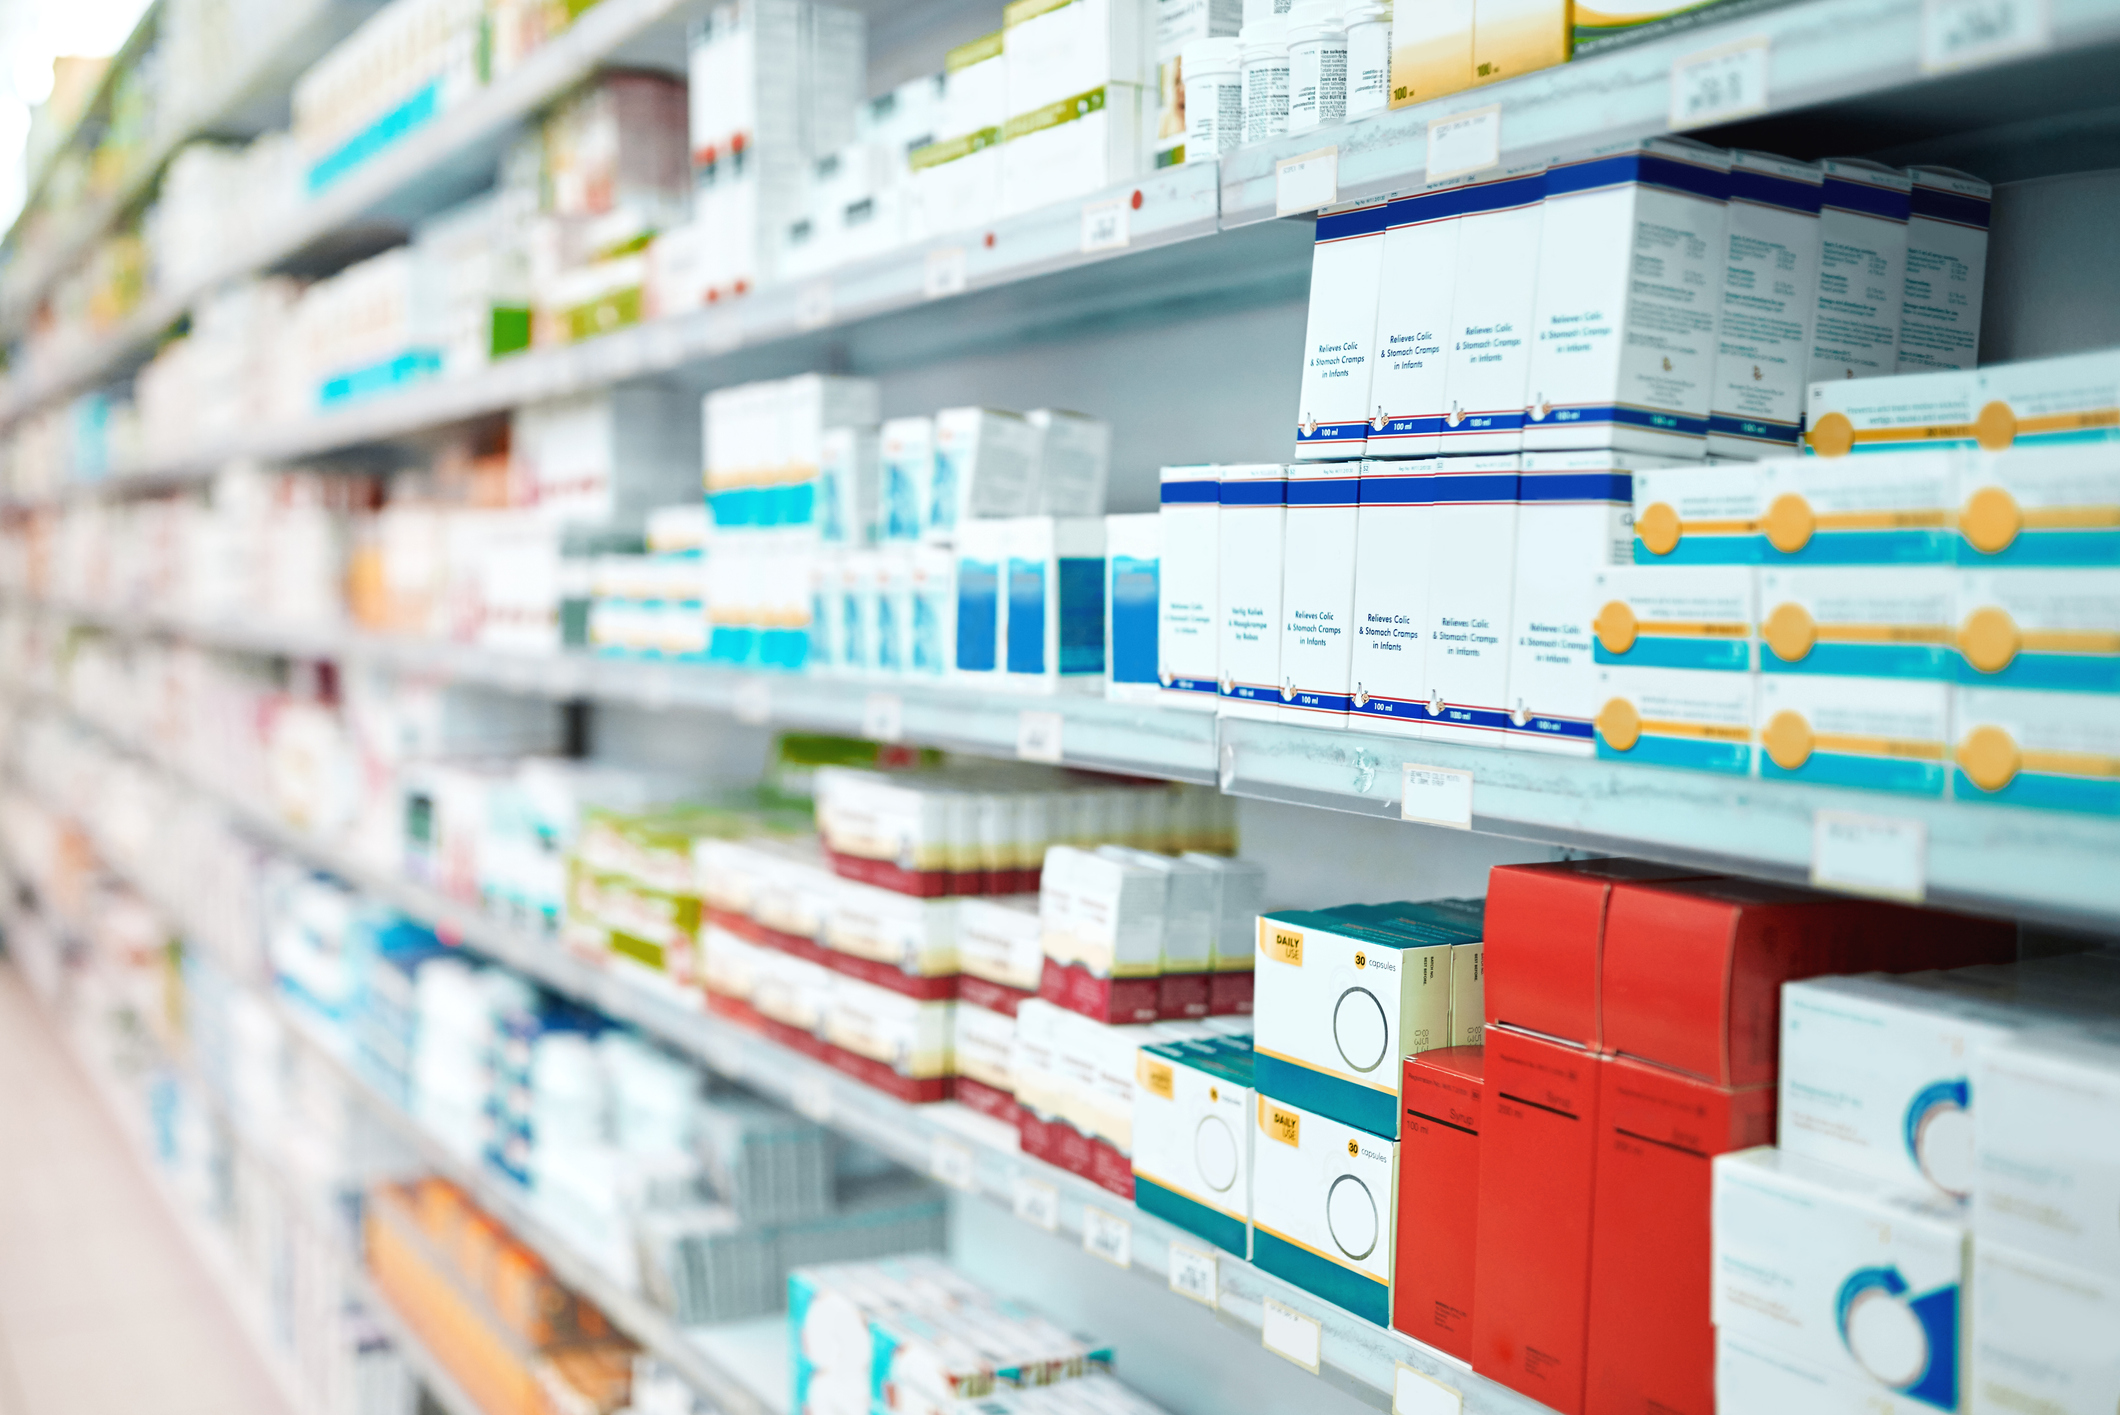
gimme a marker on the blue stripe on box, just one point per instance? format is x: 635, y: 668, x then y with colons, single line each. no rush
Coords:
x: 1909, y: 547
x: 1194, y: 685
x: 1323, y: 491
x: 1648, y: 169
x: 2092, y: 796
x: 1940, y: 205
x: 1324, y: 1094
x: 1687, y: 753
x: 1362, y: 221
x: 1748, y: 549
x: 1845, y: 194
x: 1502, y: 194
x: 2049, y: 548
x: 1912, y: 778
x: 1269, y: 491
x: 1924, y: 661
x: 1576, y: 486
x: 1232, y: 1235
x: 1765, y: 189
x: 2051, y: 672
x: 1493, y: 719
x: 1332, y: 432
x: 1191, y: 493
x: 1355, y: 1292
x: 1322, y: 702
x: 1621, y: 415
x: 1464, y: 487
x: 1393, y: 707
x: 1784, y: 434
x: 384, y: 131
x: 1409, y: 425
x: 1571, y: 728
x: 1251, y: 693
x: 1731, y: 655
x: 1508, y: 421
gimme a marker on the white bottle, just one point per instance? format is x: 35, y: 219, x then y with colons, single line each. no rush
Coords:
x: 1368, y: 57
x: 1265, y: 54
x: 1214, y: 97
x: 1317, y: 66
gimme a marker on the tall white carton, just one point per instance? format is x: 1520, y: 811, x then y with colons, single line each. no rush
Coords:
x: 1471, y: 576
x: 1624, y: 344
x: 1769, y: 306
x: 984, y: 462
x: 1188, y: 586
x: 1489, y: 354
x: 2042, y: 1335
x: 2047, y: 1136
x: 1317, y: 592
x: 1054, y: 625
x: 1254, y: 516
x: 1408, y: 391
x: 1862, y: 270
x: 1332, y: 419
x: 1388, y: 661
x: 1947, y: 240
x: 982, y: 603
x: 906, y: 470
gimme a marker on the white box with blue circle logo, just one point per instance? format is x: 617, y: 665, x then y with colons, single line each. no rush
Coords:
x: 1857, y: 1278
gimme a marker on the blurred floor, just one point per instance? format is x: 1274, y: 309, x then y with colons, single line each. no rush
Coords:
x: 104, y: 1309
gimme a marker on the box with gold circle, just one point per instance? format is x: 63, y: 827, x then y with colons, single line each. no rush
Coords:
x: 1881, y: 734
x: 1341, y: 998
x: 1699, y: 514
x: 2056, y: 402
x: 1858, y: 622
x: 2048, y: 751
x: 1676, y: 717
x: 1675, y: 655
x: 1878, y: 511
x: 1918, y: 410
x: 2046, y: 630
x: 1324, y: 1196
x: 1192, y: 1133
x: 2040, y: 506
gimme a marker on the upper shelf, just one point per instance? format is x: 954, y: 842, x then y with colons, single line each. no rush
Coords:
x: 2044, y: 865
x: 1841, y: 76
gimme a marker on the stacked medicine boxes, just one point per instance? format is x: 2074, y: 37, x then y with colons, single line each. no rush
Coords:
x: 1555, y: 1180
x: 1933, y: 1233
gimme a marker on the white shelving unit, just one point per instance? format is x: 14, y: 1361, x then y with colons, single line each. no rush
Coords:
x: 2038, y: 864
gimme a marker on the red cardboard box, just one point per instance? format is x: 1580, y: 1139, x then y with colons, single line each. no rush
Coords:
x: 1531, y: 1256
x: 1694, y: 968
x: 1439, y: 1174
x: 1545, y: 942
x: 1652, y: 1348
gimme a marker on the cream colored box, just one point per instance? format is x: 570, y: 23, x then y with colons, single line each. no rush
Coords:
x: 984, y: 1044
x: 1514, y: 37
x: 1431, y: 51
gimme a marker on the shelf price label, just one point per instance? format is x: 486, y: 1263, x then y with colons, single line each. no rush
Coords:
x: 1418, y: 1393
x: 813, y: 305
x: 883, y: 717
x: 813, y: 1098
x: 1886, y: 856
x: 1465, y: 142
x: 1107, y: 225
x: 1192, y: 1274
x: 1717, y: 85
x: 722, y: 333
x: 1435, y: 795
x: 1960, y: 34
x: 1107, y: 1237
x: 1302, y: 184
x: 951, y: 1163
x: 1038, y: 736
x: 947, y: 273
x: 1290, y: 1335
x: 1037, y: 1203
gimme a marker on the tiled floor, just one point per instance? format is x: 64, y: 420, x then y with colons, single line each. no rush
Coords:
x: 104, y: 1308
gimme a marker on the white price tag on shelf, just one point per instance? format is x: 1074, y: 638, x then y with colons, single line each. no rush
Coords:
x: 1192, y: 1274
x: 883, y: 717
x: 1106, y: 225
x: 1435, y: 795
x: 1288, y: 1333
x: 1303, y: 184
x: 813, y: 1098
x: 951, y: 1163
x: 1887, y: 856
x: 1037, y: 1203
x: 754, y: 701
x: 1465, y: 142
x: 947, y: 273
x: 1718, y: 85
x: 1109, y: 1238
x: 722, y: 334
x: 813, y: 305
x: 1959, y: 34
x: 1417, y: 1393
x: 1038, y: 736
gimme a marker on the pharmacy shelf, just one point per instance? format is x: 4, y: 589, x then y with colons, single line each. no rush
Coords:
x: 434, y: 1378
x: 1026, y: 276
x: 1092, y: 733
x: 2045, y: 866
x: 1899, y: 77
x: 969, y: 1151
x: 449, y: 159
x: 242, y: 109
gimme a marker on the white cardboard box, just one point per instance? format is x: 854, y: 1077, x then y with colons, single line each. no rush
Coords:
x: 1769, y: 306
x: 1254, y: 514
x: 1339, y: 337
x: 2048, y: 1141
x: 1317, y: 592
x: 1188, y: 587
